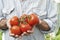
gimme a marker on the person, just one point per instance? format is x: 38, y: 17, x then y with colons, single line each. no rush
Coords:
x: 46, y: 10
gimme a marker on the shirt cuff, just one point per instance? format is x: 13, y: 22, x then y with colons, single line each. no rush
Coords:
x: 1, y: 18
x: 51, y: 25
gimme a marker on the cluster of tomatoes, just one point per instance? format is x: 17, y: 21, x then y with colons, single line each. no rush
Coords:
x: 22, y: 24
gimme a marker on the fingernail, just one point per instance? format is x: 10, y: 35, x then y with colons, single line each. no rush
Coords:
x: 28, y: 31
x: 24, y: 33
x: 11, y: 34
x: 16, y: 35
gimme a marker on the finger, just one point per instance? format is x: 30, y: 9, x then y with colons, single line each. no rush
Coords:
x: 23, y: 33
x: 30, y: 31
x: 26, y: 34
x: 16, y: 36
x: 20, y: 37
x: 11, y: 34
x: 8, y: 23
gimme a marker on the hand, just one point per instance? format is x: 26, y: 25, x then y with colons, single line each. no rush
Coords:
x: 3, y: 24
x: 28, y: 32
x: 12, y: 34
x: 24, y: 33
x: 42, y: 25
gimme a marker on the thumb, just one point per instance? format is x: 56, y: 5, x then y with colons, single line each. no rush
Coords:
x: 8, y: 23
x: 23, y: 33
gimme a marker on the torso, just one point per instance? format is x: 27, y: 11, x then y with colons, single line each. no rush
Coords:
x: 25, y: 7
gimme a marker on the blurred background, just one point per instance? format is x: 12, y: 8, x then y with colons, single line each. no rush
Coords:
x: 54, y: 35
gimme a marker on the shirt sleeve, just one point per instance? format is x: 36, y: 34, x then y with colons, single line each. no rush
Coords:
x: 9, y: 10
x: 51, y: 15
x: 51, y: 19
x: 1, y: 7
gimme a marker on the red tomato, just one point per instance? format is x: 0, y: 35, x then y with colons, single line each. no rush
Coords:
x: 14, y: 21
x: 25, y: 27
x: 15, y: 30
x: 33, y: 19
x: 23, y: 18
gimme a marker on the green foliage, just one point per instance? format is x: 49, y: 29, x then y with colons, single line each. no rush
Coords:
x: 57, y: 37
x: 0, y: 35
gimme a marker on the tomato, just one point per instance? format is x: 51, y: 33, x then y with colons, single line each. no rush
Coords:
x: 25, y: 27
x: 23, y: 18
x: 15, y: 30
x: 14, y: 21
x: 33, y: 19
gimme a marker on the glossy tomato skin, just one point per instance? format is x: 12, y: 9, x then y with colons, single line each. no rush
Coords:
x: 25, y: 27
x: 33, y: 19
x: 14, y: 21
x: 15, y: 30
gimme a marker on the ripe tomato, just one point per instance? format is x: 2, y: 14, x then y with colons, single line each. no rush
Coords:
x: 15, y: 30
x: 23, y: 18
x: 14, y: 21
x: 33, y: 19
x: 25, y: 27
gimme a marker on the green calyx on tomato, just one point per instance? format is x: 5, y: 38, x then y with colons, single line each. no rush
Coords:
x: 23, y: 18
